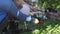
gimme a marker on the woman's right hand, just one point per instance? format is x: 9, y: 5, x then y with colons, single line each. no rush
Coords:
x: 35, y: 21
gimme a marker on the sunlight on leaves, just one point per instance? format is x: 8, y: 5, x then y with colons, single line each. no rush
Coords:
x: 36, y: 31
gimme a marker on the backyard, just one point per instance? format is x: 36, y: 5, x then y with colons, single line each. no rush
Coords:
x: 49, y: 26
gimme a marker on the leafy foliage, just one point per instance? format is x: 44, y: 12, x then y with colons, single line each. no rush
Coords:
x: 45, y: 3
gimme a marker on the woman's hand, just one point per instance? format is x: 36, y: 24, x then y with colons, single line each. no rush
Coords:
x: 35, y: 21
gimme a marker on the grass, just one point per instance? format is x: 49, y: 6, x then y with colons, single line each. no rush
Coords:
x: 49, y: 27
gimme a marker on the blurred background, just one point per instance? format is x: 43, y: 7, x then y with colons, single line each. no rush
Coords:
x: 51, y: 25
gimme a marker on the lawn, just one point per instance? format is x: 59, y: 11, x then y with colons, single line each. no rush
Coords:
x: 49, y: 27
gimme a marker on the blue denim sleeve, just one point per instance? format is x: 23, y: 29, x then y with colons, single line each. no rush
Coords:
x: 9, y: 6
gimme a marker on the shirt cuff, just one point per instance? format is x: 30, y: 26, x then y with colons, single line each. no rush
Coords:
x: 17, y: 13
x: 29, y: 18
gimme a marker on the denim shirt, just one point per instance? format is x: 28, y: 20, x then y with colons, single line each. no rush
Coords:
x: 2, y: 16
x: 10, y: 7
